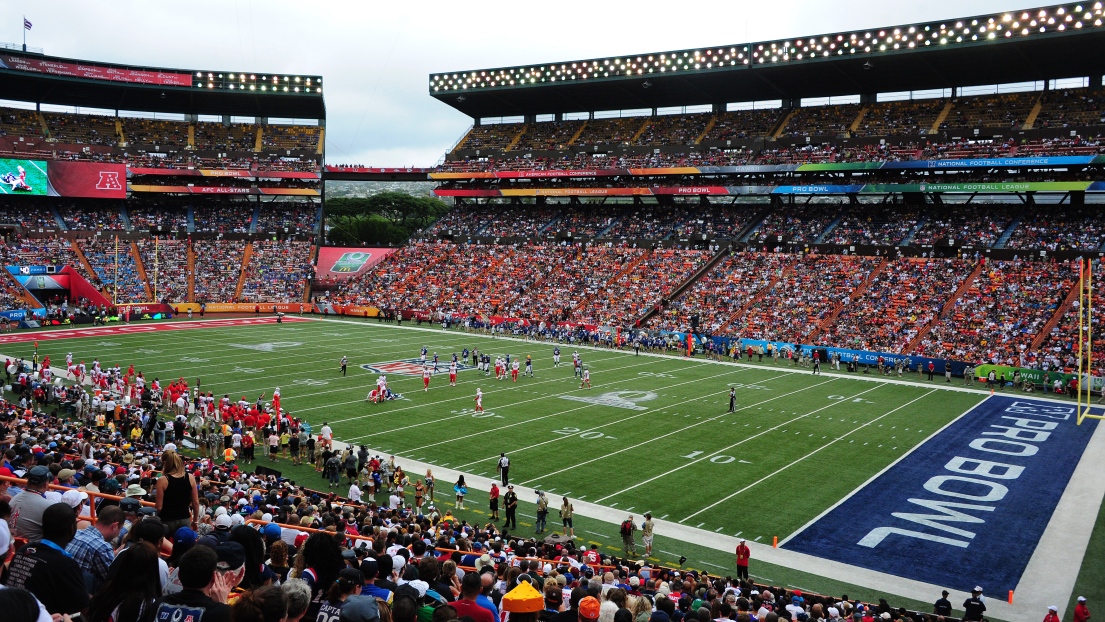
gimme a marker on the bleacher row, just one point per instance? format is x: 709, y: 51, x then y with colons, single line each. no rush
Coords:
x: 154, y: 134
x: 166, y: 213
x: 1056, y: 109
x: 276, y: 270
x: 1054, y: 228
x: 966, y: 308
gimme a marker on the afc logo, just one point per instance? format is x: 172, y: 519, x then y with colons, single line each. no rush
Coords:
x: 109, y: 180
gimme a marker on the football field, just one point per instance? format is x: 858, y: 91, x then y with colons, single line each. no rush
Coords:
x: 654, y: 434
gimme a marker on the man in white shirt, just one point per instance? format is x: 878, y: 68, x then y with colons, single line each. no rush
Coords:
x: 354, y: 493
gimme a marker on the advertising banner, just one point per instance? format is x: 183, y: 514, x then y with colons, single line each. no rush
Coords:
x: 93, y: 72
x: 286, y: 175
x: 299, y: 192
x: 226, y: 172
x: 243, y: 307
x: 44, y: 281
x: 342, y: 262
x: 94, y: 180
x: 23, y: 177
x: 166, y: 172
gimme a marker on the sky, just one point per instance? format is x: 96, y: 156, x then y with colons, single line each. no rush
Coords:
x: 376, y: 57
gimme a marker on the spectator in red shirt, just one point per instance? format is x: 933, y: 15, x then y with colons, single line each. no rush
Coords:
x: 466, y: 605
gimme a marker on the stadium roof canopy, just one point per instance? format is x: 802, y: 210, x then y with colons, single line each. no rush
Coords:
x: 52, y: 80
x: 1058, y: 41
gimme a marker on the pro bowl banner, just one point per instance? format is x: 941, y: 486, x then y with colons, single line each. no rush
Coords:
x: 337, y: 262
x: 93, y: 180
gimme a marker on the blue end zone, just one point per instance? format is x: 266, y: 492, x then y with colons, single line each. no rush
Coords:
x: 966, y: 508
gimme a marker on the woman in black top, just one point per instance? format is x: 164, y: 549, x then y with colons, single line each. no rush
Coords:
x: 178, y: 502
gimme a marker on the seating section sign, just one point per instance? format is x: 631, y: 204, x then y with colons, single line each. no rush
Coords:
x: 336, y: 262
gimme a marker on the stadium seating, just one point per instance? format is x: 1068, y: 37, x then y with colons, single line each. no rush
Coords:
x: 796, y: 223
x: 675, y: 129
x: 298, y: 217
x: 900, y: 118
x: 218, y: 137
x: 91, y: 215
x: 16, y: 122
x: 901, y: 300
x: 739, y: 124
x: 222, y: 218
x: 549, y: 135
x: 1070, y: 108
x: 218, y: 267
x: 151, y: 133
x: 721, y: 292
x: 166, y: 264
x: 991, y: 111
x: 807, y: 293
x: 609, y: 132
x: 277, y: 271
x: 169, y: 214
x: 822, y: 120
x: 82, y: 129
x: 28, y: 213
x: 493, y: 136
x: 871, y: 224
x: 965, y: 224
x: 583, y: 273
x: 1070, y: 228
x: 999, y: 316
x: 115, y: 269
x: 624, y: 299
x: 290, y: 137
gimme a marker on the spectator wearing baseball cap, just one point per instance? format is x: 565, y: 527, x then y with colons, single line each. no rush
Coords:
x: 589, y: 609
x: 973, y: 607
x: 29, y: 505
x: 1081, y: 612
x: 198, y: 578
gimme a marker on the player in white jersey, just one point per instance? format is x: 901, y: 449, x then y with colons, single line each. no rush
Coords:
x: 426, y: 373
x: 479, y: 401
x: 586, y: 376
x: 68, y: 359
x: 453, y: 373
x: 514, y: 366
x: 81, y: 372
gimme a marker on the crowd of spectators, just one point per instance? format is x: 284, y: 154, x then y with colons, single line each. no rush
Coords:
x: 1002, y: 312
x: 218, y: 266
x: 50, y: 252
x: 806, y: 294
x: 901, y: 118
x: 548, y: 136
x: 115, y: 268
x: 674, y: 129
x: 155, y: 133
x: 82, y: 129
x: 1060, y: 228
x: 91, y: 215
x: 222, y: 217
x: 583, y: 272
x: 797, y: 223
x: 277, y: 271
x: 822, y: 120
x: 1004, y: 110
x: 740, y: 124
x: 166, y: 264
x: 504, y: 274
x: 901, y: 300
x: 977, y: 225
x: 1070, y: 108
x: 492, y: 136
x: 609, y: 132
x: 873, y: 224
x: 164, y: 214
x: 722, y: 292
x: 29, y: 213
x: 224, y: 137
x: 297, y: 217
x: 16, y: 122
x: 385, y: 284
x: 301, y: 137
x: 624, y: 300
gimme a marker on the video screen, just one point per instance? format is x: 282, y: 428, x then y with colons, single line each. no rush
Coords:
x: 23, y: 177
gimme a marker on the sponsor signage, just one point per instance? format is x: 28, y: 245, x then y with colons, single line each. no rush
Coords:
x: 93, y: 72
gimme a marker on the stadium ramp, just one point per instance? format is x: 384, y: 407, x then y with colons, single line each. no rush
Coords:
x: 940, y: 118
x: 141, y: 270
x: 191, y: 272
x: 247, y: 254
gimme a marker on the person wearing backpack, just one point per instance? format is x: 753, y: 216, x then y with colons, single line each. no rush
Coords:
x: 630, y: 545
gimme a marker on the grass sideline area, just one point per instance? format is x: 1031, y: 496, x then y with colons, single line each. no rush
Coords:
x: 589, y: 451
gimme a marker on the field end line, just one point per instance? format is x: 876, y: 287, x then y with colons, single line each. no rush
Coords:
x: 825, y: 446
x: 599, y: 427
x: 452, y: 399
x: 556, y: 414
x: 876, y: 475
x: 741, y: 442
x: 680, y: 430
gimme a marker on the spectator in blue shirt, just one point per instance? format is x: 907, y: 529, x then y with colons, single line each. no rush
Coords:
x: 91, y: 546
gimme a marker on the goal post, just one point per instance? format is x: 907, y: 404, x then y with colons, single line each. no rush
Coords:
x: 1085, y: 341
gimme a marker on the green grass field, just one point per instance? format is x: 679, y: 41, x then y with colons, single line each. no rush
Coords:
x: 797, y: 444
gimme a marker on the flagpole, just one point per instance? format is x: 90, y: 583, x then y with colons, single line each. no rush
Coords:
x: 24, y: 33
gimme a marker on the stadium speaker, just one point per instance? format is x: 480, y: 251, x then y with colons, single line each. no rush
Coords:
x: 29, y: 324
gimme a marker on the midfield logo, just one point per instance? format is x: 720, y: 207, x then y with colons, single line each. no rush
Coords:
x: 412, y: 367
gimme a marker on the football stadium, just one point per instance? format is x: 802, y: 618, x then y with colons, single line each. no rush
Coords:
x: 802, y: 329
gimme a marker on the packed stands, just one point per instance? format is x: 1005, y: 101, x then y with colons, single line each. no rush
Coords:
x: 91, y: 215
x: 870, y: 224
x: 999, y: 316
x: 721, y: 222
x: 302, y: 137
x: 219, y: 137
x: 722, y: 291
x: 902, y: 299
x: 582, y: 275
x: 549, y: 135
x: 50, y: 252
x: 150, y: 133
x: 675, y: 129
x: 218, y: 267
x: 109, y: 257
x: 1060, y: 347
x: 1008, y: 110
x: 623, y: 300
x: 586, y: 221
x: 222, y: 217
x: 297, y: 217
x: 976, y: 225
x: 150, y: 214
x: 504, y: 273
x: 653, y: 222
x: 385, y: 285
x: 82, y: 129
x: 1070, y: 108
x: 28, y: 214
x: 822, y: 120
x: 609, y: 132
x: 166, y: 264
x: 523, y: 221
x: 798, y: 223
x: 803, y: 297
x: 900, y: 118
x: 739, y: 124
x: 493, y: 136
x: 1060, y: 228
x: 277, y: 271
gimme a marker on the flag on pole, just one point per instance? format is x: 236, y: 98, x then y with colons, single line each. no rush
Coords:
x: 26, y: 24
